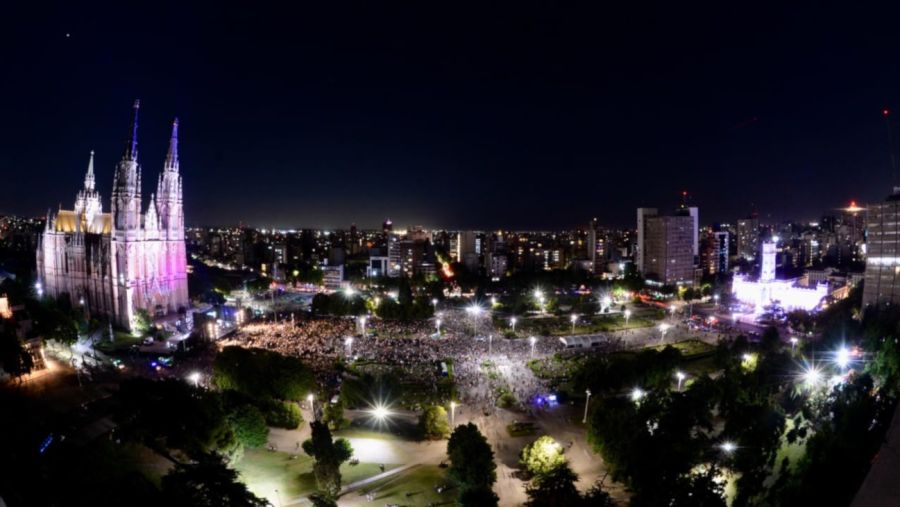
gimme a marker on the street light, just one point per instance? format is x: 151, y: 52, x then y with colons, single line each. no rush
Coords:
x: 512, y: 324
x: 672, y: 310
x: 728, y: 447
x: 607, y: 302
x: 434, y: 302
x: 311, y: 399
x: 437, y: 324
x: 490, y: 344
x: 680, y: 376
x: 533, y: 340
x: 452, y: 413
x: 348, y: 341
x: 586, y: 402
x: 194, y: 377
x: 574, y: 319
x: 627, y: 316
x: 362, y: 322
x: 662, y: 329
x: 811, y: 376
x: 794, y: 341
x: 842, y: 357
x: 380, y: 412
x: 636, y: 394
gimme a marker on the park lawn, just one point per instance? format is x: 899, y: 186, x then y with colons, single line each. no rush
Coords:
x: 420, y: 481
x: 265, y: 471
x: 689, y: 348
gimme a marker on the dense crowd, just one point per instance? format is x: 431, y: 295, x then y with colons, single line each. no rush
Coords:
x: 485, y: 365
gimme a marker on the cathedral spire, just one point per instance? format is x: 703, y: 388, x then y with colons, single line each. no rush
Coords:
x: 89, y: 177
x: 131, y: 146
x: 172, y: 156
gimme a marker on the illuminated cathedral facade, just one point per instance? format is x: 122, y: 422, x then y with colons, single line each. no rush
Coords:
x: 114, y: 264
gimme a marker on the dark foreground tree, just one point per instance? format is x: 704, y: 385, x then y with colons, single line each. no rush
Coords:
x: 478, y: 497
x: 471, y: 459
x: 328, y: 455
x: 207, y: 483
x: 554, y: 488
x: 14, y: 359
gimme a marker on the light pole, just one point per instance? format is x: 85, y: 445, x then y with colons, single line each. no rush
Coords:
x: 680, y: 376
x: 586, y: 402
x: 574, y: 319
x: 452, y: 414
x: 312, y: 405
x: 672, y: 311
x: 362, y: 323
x: 349, y: 343
x: 627, y: 316
x: 490, y: 344
x: 437, y: 325
x: 793, y: 344
x: 716, y: 299
x: 512, y: 324
x: 533, y: 340
x: 607, y: 303
x: 662, y: 329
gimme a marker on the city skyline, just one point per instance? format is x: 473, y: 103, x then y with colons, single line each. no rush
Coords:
x: 540, y: 118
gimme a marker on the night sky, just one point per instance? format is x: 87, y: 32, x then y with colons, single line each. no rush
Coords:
x: 518, y: 115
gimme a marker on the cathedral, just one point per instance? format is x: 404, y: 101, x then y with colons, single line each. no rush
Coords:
x: 114, y: 264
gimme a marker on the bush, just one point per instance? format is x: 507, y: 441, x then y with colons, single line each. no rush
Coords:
x: 282, y: 414
x: 249, y: 426
x: 433, y: 422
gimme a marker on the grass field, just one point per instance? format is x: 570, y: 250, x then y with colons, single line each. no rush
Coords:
x: 265, y: 472
x: 419, y: 482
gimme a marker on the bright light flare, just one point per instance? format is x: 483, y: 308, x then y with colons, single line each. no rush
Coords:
x: 812, y: 376
x: 380, y: 412
x: 728, y: 447
x: 842, y: 357
x: 636, y: 394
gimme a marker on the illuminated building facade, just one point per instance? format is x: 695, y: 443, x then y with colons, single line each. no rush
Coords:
x: 748, y: 238
x: 666, y: 246
x: 768, y: 290
x: 883, y: 252
x: 116, y: 263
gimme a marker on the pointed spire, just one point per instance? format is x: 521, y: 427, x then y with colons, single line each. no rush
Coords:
x: 131, y: 146
x: 172, y: 156
x: 89, y: 177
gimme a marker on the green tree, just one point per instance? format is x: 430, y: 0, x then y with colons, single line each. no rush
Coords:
x: 14, y: 359
x: 207, y: 483
x: 249, y: 425
x: 260, y: 373
x: 328, y: 454
x: 542, y: 456
x: 471, y: 459
x: 170, y: 414
x: 433, y: 422
x: 554, y: 488
x: 142, y: 321
x: 333, y: 414
x: 481, y: 496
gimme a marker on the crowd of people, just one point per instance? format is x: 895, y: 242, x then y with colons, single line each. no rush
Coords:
x: 415, y: 348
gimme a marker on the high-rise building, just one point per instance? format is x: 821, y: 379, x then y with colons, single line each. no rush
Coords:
x: 667, y: 247
x: 883, y: 252
x: 117, y: 263
x: 748, y: 238
x: 721, y: 249
x: 642, y: 214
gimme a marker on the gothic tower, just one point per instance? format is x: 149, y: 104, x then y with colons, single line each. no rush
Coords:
x: 126, y: 226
